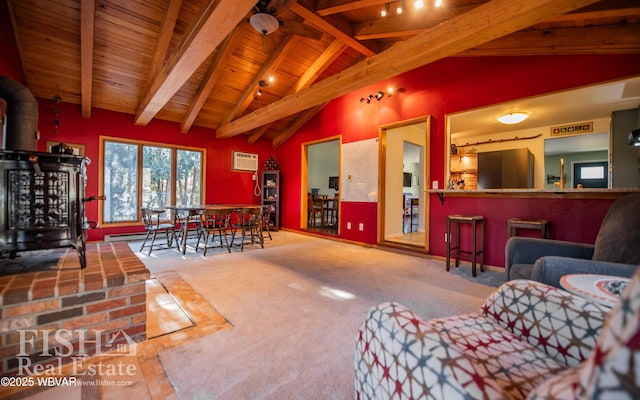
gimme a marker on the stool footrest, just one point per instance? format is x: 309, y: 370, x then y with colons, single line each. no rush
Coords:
x: 477, y: 250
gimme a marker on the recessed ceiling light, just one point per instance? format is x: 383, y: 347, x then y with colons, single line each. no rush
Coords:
x: 513, y: 118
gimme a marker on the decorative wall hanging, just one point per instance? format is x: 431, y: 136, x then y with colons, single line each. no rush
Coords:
x: 572, y: 129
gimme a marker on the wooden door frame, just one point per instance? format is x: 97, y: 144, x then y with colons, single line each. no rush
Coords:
x: 382, y: 165
x: 304, y: 176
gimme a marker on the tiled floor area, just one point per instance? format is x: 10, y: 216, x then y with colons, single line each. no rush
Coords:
x: 176, y: 314
x: 188, y: 307
x: 165, y: 315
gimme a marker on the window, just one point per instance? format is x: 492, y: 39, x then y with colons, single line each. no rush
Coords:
x: 592, y: 172
x: 141, y: 174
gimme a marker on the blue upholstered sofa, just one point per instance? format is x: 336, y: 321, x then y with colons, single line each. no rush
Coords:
x: 615, y: 252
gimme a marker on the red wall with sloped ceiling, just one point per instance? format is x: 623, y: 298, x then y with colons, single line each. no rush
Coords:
x: 444, y: 87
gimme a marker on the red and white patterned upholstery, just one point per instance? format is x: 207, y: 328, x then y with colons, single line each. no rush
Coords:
x: 613, y: 370
x: 527, y: 339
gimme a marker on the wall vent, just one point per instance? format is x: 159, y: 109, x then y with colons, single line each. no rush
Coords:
x: 245, y: 161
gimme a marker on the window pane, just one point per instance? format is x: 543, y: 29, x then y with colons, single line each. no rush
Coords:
x: 156, y: 177
x: 189, y: 177
x: 120, y: 182
x: 592, y: 172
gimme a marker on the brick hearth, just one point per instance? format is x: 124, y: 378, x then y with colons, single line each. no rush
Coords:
x: 45, y: 292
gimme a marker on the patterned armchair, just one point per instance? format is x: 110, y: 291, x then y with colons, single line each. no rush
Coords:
x: 528, y: 340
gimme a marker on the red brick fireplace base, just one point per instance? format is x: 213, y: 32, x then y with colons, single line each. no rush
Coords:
x: 52, y: 312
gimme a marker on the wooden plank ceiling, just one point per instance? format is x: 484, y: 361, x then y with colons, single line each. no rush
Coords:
x: 200, y: 62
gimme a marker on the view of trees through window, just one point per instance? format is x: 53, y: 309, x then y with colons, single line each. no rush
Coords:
x: 120, y: 182
x: 189, y: 176
x: 163, y: 176
x: 156, y: 176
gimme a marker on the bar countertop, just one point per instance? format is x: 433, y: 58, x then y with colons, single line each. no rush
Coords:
x: 536, y: 193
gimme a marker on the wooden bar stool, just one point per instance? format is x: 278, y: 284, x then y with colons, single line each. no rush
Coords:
x: 541, y: 225
x: 476, y: 251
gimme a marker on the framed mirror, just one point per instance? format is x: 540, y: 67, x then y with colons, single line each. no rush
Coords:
x: 561, y: 123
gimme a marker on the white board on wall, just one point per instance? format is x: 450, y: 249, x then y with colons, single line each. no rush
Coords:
x: 360, y: 171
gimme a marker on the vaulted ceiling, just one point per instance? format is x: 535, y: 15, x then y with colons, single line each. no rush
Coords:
x: 201, y: 63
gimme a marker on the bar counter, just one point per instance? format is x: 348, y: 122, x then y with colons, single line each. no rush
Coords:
x: 535, y: 193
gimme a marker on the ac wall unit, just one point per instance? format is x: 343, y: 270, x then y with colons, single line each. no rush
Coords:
x: 245, y: 161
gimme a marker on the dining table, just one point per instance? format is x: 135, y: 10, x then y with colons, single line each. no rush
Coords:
x: 191, y: 213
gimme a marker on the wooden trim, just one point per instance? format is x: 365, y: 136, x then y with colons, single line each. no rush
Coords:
x: 535, y: 194
x: 140, y: 143
x: 482, y: 24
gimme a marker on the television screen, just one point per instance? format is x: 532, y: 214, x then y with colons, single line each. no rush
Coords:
x: 333, y: 182
x: 406, y: 179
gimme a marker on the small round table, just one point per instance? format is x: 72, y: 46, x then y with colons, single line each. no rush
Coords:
x: 603, y: 289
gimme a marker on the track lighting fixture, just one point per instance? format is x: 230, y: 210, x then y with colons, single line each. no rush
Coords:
x: 262, y: 84
x: 380, y: 94
x: 385, y: 10
x: 400, y: 6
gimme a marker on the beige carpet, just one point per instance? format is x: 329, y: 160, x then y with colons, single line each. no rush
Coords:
x: 295, y: 307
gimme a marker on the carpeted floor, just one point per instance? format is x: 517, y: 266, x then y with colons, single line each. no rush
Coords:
x: 295, y: 307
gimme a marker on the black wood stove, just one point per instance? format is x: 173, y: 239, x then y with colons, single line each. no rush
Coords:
x: 42, y: 194
x: 42, y: 205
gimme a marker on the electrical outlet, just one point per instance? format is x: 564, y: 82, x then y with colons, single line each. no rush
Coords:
x: 361, y: 227
x: 348, y: 225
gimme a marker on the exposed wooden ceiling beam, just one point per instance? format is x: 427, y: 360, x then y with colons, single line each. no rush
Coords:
x: 312, y: 73
x: 328, y: 7
x: 210, y: 79
x: 164, y: 38
x: 406, y: 25
x: 611, y: 13
x: 87, y: 25
x: 216, y: 21
x: 271, y: 64
x: 328, y: 56
x: 257, y: 134
x: 482, y: 24
x: 295, y: 124
x: 588, y: 40
x: 337, y: 27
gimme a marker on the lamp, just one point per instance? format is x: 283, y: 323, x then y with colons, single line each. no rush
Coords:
x: 264, y: 23
x: 634, y: 138
x: 385, y: 10
x: 513, y: 118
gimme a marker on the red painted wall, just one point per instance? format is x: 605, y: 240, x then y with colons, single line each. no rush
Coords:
x: 448, y: 86
x: 222, y: 186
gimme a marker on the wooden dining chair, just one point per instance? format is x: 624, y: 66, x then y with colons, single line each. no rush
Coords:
x: 188, y: 226
x: 152, y: 224
x: 266, y: 222
x: 248, y: 222
x: 314, y: 208
x: 333, y: 211
x: 214, y: 223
